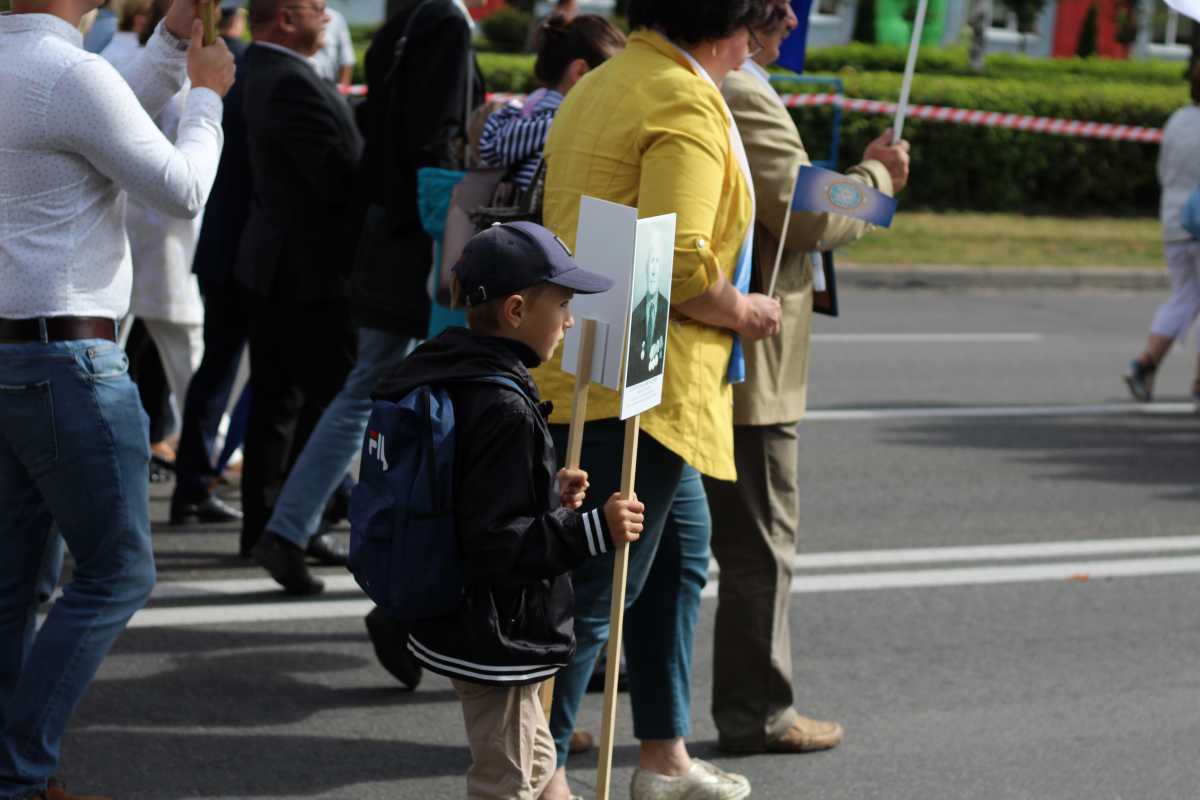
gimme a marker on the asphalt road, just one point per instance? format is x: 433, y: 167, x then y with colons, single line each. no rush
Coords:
x: 996, y: 595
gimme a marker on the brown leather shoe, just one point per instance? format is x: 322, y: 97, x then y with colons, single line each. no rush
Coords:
x: 581, y: 742
x: 58, y: 791
x: 807, y: 735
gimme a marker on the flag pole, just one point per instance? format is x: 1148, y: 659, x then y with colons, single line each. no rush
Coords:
x: 787, y: 219
x: 909, y: 69
x: 208, y: 15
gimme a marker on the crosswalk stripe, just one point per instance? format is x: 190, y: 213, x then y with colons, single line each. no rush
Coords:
x: 269, y: 610
x: 946, y: 412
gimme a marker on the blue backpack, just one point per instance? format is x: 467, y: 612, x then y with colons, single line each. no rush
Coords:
x: 404, y: 549
x: 1190, y: 218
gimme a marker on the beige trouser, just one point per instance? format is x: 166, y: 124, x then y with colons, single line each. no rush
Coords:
x: 512, y: 753
x: 754, y: 541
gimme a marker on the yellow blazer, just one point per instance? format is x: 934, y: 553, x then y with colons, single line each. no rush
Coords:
x: 647, y: 130
x: 776, y: 386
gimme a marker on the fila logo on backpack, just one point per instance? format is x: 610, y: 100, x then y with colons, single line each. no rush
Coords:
x: 376, y: 442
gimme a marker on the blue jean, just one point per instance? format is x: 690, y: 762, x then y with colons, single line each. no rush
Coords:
x: 74, y: 454
x: 51, y: 569
x: 668, y: 568
x: 336, y: 439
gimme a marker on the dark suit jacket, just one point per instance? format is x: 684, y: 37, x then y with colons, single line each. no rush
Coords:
x: 411, y: 122
x: 229, y: 203
x: 304, y: 149
x: 643, y: 348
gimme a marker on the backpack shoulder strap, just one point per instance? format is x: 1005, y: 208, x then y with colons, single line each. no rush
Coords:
x: 505, y: 381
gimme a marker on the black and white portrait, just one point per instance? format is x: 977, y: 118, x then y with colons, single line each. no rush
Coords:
x: 648, y: 323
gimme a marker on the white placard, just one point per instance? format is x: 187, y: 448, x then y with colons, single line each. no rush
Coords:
x: 648, y: 315
x: 612, y: 241
x: 605, y: 243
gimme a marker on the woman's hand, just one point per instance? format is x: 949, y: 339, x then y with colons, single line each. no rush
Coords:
x: 761, y: 317
x: 752, y: 316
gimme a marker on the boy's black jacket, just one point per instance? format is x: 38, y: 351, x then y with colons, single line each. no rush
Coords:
x: 518, y: 543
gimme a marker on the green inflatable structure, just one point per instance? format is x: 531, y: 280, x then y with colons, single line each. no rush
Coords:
x: 894, y: 22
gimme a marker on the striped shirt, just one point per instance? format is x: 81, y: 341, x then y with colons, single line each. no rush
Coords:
x: 515, y: 135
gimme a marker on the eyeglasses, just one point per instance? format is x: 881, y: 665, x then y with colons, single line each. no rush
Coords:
x: 319, y: 10
x: 756, y: 46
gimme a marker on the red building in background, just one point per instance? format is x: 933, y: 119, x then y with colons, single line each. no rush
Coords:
x: 1069, y: 24
x: 489, y: 7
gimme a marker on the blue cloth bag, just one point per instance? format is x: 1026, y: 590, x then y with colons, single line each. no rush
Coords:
x: 1190, y: 217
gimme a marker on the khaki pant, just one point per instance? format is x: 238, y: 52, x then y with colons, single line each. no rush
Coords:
x: 754, y: 542
x: 512, y: 753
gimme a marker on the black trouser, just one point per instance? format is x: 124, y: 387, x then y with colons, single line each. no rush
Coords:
x: 300, y: 355
x: 146, y: 370
x: 226, y: 327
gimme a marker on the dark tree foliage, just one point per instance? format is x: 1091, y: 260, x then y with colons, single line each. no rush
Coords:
x: 1088, y: 34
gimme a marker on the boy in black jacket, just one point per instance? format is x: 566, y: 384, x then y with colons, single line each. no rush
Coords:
x: 518, y: 528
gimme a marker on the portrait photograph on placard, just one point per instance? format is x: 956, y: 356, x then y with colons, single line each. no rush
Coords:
x: 650, y: 309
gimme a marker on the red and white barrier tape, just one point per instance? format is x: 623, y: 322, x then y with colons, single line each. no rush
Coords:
x: 960, y: 116
x: 987, y: 119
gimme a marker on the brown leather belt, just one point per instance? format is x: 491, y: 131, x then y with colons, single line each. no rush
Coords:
x: 58, y: 329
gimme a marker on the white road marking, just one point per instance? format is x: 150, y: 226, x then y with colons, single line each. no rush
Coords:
x: 995, y: 552
x: 273, y: 607
x: 261, y: 611
x: 972, y: 576
x: 1099, y: 409
x: 176, y: 590
x: 929, y: 338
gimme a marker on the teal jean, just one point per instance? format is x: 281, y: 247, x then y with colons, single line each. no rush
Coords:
x: 668, y: 568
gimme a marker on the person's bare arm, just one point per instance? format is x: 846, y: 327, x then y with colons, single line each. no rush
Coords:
x: 751, y: 316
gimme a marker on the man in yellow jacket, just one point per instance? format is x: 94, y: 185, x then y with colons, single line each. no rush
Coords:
x: 755, y: 519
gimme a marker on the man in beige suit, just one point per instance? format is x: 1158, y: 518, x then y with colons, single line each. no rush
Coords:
x: 755, y: 519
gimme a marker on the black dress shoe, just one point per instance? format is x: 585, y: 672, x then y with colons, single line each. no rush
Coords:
x: 285, y: 562
x: 210, y: 509
x: 390, y: 638
x: 326, y: 549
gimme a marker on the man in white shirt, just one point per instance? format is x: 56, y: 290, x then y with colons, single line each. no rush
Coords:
x: 335, y: 60
x: 74, y: 139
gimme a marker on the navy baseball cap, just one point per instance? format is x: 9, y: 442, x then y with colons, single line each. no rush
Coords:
x: 509, y: 257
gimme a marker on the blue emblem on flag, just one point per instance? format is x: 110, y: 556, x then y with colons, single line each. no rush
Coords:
x: 825, y: 191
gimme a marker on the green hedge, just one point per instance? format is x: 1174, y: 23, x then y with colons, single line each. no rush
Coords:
x: 991, y: 169
x: 953, y: 61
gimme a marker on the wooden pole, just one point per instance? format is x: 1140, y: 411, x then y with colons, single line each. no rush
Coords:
x: 208, y: 15
x: 583, y: 379
x: 616, y: 621
x: 787, y: 220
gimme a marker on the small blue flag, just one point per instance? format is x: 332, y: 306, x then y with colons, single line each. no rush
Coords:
x: 792, y: 53
x: 825, y: 191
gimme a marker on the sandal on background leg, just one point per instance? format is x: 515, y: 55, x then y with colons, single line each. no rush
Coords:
x: 1140, y: 380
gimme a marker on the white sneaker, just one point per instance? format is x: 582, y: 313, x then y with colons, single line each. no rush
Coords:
x: 702, y: 782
